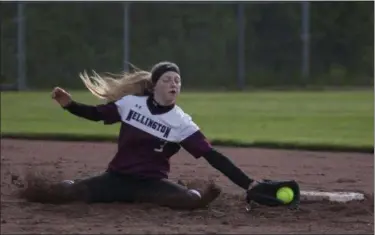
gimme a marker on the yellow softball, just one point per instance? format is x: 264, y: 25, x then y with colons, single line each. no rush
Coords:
x: 285, y: 194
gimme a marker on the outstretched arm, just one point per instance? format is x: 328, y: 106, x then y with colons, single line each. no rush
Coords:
x: 198, y: 146
x: 105, y: 112
x: 262, y: 192
x: 228, y: 168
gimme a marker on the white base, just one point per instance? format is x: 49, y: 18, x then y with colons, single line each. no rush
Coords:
x: 331, y: 196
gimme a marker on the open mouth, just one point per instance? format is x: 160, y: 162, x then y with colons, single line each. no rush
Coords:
x: 172, y: 92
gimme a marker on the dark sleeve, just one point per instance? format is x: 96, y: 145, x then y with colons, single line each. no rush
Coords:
x: 196, y: 144
x: 104, y: 112
x: 228, y: 168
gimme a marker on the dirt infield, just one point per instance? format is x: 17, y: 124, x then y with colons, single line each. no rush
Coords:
x: 314, y: 171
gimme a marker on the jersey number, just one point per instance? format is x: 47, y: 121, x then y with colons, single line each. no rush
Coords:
x: 161, y: 147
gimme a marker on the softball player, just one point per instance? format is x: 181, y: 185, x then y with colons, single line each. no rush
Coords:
x: 153, y: 129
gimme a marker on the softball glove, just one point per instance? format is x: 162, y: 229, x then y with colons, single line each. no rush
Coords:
x: 264, y: 193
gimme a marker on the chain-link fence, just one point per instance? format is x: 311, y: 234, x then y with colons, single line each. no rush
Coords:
x: 217, y: 45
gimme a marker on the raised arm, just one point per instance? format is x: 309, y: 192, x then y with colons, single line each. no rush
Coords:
x: 104, y: 112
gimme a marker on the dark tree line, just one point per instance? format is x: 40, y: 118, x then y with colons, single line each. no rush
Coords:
x: 65, y: 38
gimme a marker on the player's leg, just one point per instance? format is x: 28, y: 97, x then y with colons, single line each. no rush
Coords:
x: 104, y: 188
x: 167, y: 193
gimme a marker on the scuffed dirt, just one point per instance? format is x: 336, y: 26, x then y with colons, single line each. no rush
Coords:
x: 69, y: 160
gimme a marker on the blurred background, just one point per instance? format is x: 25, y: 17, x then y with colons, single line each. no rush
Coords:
x: 217, y: 45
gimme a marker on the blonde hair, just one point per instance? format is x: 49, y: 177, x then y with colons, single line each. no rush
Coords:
x: 112, y: 87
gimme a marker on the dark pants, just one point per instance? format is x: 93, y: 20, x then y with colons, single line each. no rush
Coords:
x: 112, y: 187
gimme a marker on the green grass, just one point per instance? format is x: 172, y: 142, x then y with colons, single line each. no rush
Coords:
x: 308, y: 119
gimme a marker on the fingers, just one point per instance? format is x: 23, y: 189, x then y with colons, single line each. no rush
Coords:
x: 54, y: 92
x: 61, y: 96
x: 58, y: 92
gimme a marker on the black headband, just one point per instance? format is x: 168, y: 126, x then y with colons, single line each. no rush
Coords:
x: 156, y: 74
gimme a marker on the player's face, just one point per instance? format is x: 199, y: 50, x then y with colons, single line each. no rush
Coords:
x: 168, y: 87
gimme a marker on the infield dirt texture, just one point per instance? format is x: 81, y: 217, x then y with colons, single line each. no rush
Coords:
x: 314, y: 171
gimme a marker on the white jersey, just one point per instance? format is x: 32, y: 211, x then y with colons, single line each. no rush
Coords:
x: 173, y: 126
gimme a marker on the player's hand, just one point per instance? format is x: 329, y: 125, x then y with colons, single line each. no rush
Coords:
x: 61, y: 96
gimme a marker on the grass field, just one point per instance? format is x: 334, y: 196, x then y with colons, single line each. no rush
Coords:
x: 313, y: 119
